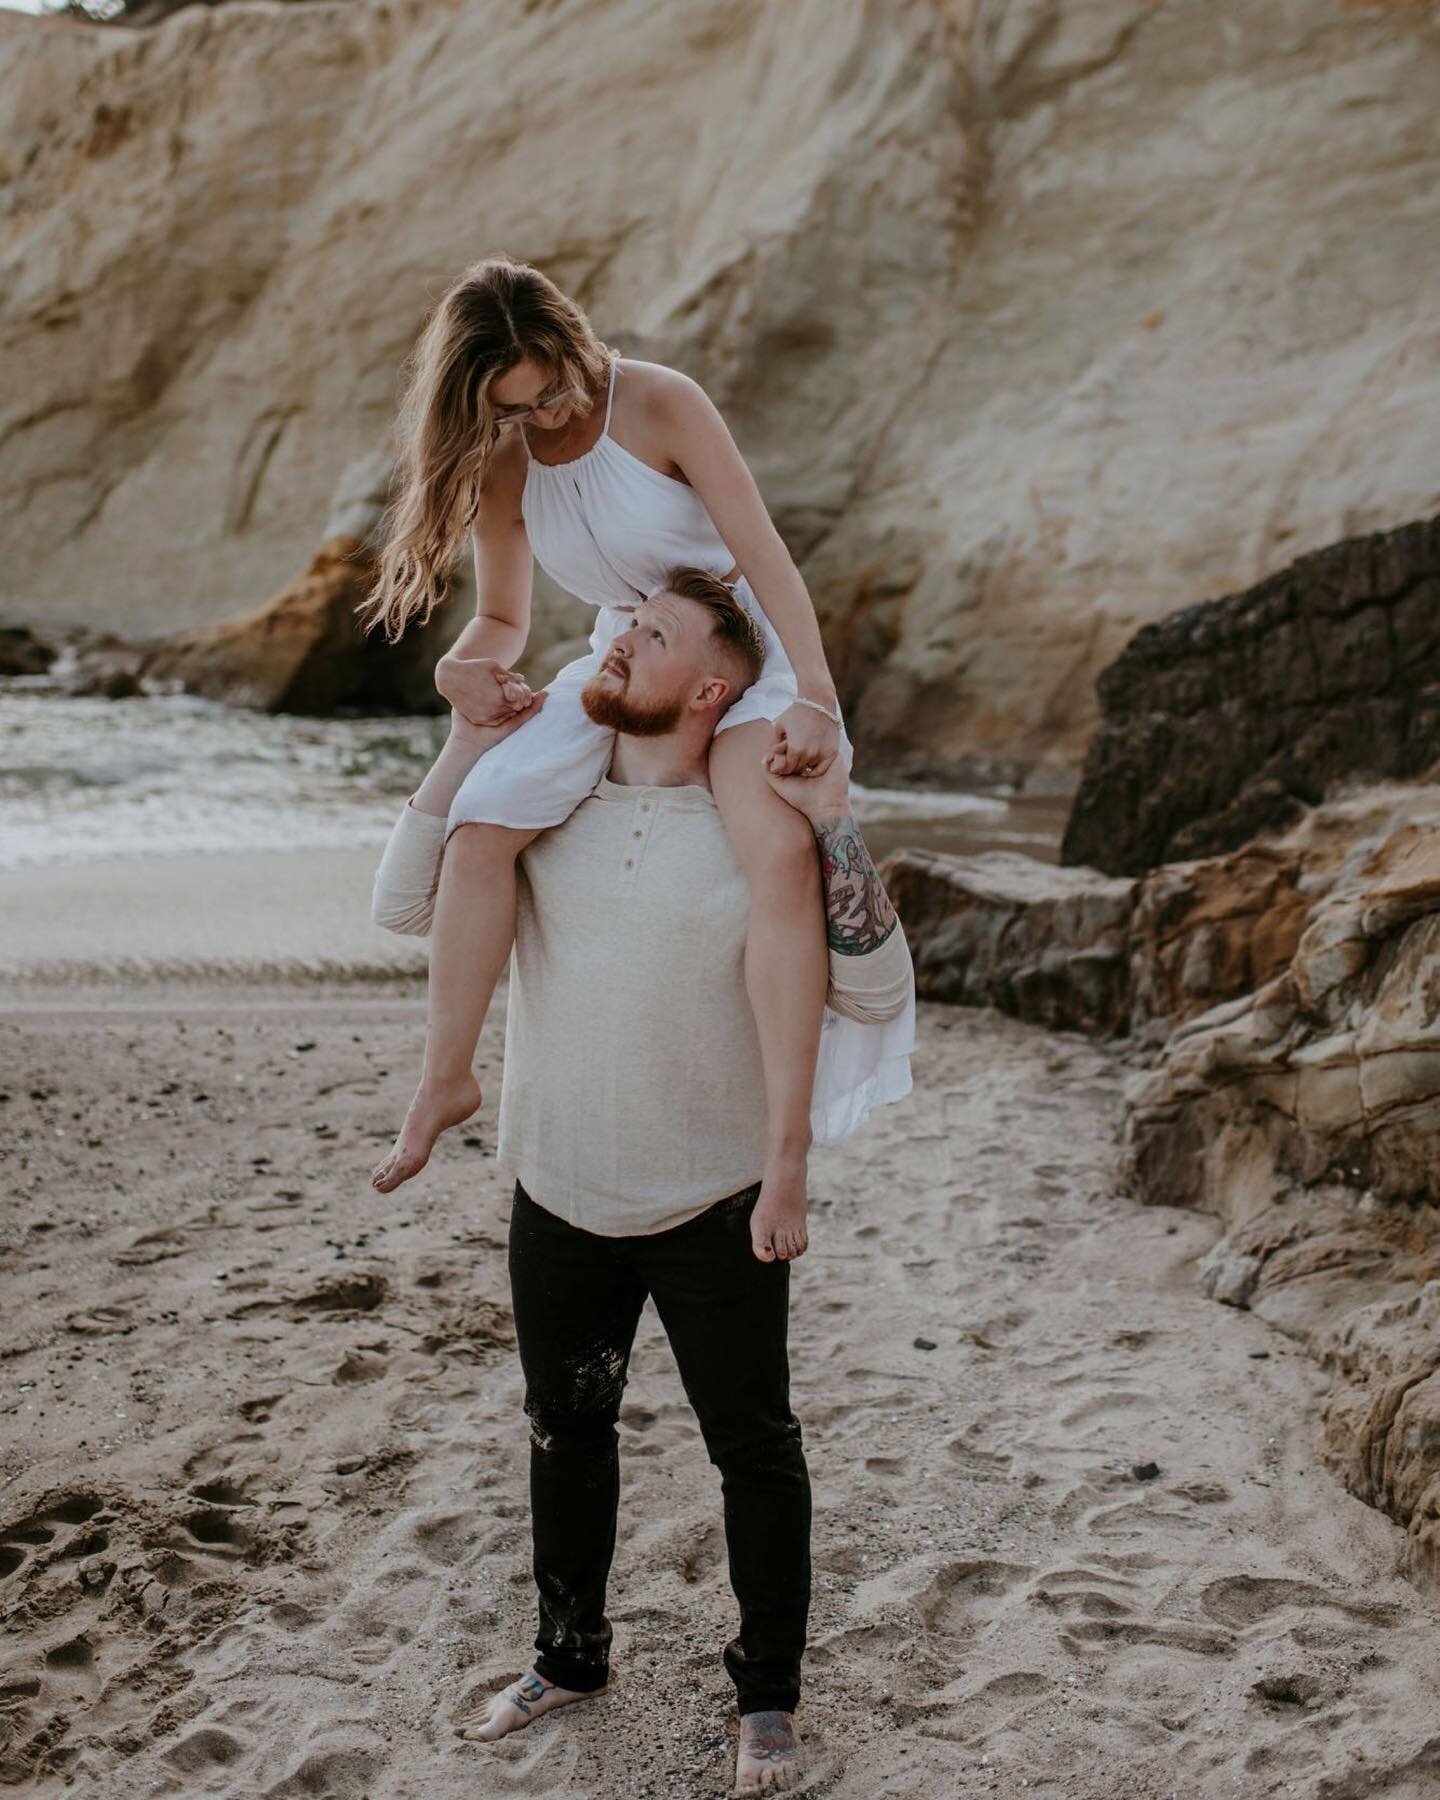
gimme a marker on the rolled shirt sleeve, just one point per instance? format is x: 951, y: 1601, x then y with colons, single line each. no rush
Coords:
x: 403, y: 896
x: 876, y: 986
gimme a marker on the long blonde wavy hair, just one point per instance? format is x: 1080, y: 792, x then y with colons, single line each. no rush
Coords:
x: 495, y: 315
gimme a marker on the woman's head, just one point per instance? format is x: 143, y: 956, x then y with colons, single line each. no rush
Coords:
x: 502, y: 346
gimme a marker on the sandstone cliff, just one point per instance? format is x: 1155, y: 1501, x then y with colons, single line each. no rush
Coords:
x: 1037, y: 319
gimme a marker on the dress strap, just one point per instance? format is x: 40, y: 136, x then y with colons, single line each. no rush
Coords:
x: 610, y: 401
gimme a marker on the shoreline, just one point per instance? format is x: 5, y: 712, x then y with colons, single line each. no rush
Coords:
x: 300, y: 915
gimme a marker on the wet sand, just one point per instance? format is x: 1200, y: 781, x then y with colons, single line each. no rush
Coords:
x: 263, y: 1516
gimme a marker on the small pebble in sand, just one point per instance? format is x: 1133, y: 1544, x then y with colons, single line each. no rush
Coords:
x: 1146, y: 1471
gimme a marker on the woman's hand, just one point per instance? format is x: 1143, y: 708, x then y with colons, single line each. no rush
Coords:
x: 485, y: 737
x: 481, y: 690
x: 821, y: 798
x: 805, y: 743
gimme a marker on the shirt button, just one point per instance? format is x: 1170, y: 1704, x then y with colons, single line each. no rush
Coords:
x: 644, y: 806
x: 637, y: 834
x: 629, y: 862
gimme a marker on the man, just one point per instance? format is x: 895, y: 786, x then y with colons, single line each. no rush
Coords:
x: 632, y: 1116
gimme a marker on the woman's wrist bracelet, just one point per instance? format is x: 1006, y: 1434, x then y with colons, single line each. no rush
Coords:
x: 834, y: 716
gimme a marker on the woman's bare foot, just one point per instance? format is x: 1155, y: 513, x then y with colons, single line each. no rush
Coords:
x: 769, y: 1756
x: 436, y: 1107
x: 488, y: 1717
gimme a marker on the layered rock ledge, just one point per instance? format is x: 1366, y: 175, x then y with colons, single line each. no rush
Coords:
x: 1285, y: 999
x: 1306, y: 1115
x: 1231, y: 717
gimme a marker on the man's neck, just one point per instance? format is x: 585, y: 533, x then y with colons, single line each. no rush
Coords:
x: 679, y: 759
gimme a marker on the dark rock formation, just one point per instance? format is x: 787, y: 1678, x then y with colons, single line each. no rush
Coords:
x: 301, y: 652
x: 1229, y: 718
x: 1003, y: 930
x: 22, y: 652
x: 1080, y: 951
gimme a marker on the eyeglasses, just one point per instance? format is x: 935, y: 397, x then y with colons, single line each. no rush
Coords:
x: 518, y: 414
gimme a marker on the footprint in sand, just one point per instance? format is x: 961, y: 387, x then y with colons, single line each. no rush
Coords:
x: 964, y: 1596
x: 977, y: 1464
x: 101, y: 1591
x: 355, y: 1292
x: 703, y: 1553
x: 370, y: 1636
x: 953, y: 1603
x: 1102, y: 1635
x: 445, y: 1539
x: 1243, y: 1600
x: 203, y: 1752
x: 152, y: 1247
x: 339, y: 1770
x: 975, y: 1714
x: 1100, y: 1406
x: 99, y: 1321
x: 57, y: 1531
x: 359, y: 1366
x: 894, y: 1466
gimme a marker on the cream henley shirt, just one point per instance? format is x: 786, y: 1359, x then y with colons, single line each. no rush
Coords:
x: 632, y: 1095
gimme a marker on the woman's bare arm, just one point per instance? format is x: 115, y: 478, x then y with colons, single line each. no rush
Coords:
x: 504, y: 578
x: 699, y: 442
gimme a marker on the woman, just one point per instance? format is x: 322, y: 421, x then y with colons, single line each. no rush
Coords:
x: 522, y: 428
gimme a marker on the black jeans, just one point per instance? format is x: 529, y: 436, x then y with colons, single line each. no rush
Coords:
x: 577, y: 1298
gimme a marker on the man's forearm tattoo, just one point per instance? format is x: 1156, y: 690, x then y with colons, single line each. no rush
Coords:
x: 858, y: 913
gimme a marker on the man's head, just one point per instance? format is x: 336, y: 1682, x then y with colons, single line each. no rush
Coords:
x: 689, y: 655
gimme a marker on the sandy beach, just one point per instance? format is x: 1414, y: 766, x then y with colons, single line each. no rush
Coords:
x: 263, y: 1518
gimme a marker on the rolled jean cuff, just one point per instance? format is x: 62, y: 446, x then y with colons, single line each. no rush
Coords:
x: 580, y: 1678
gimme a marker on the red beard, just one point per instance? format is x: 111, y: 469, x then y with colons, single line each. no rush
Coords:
x: 614, y: 707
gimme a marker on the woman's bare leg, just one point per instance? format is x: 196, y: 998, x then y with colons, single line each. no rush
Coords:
x: 470, y: 939
x: 787, y: 970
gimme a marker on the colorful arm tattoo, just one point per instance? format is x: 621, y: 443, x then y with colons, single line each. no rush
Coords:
x: 858, y: 913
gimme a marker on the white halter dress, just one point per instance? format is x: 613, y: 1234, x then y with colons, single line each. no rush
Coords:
x: 607, y: 526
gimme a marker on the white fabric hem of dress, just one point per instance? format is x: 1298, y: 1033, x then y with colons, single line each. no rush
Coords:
x: 842, y: 1117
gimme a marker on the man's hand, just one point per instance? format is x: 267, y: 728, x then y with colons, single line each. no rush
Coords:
x: 483, y: 691
x: 819, y: 797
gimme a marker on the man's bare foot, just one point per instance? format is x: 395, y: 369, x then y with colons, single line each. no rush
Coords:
x: 488, y: 1717
x: 435, y: 1108
x: 769, y: 1756
x: 777, y: 1223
